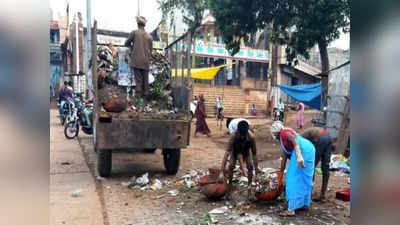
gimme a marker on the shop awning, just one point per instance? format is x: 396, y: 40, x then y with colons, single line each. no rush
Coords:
x: 309, y: 94
x: 207, y: 73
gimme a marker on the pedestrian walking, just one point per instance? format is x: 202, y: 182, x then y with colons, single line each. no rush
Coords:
x: 300, y: 115
x: 220, y: 109
x: 200, y: 114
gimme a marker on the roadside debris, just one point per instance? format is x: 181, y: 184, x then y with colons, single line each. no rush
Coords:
x: 220, y: 210
x: 339, y: 163
x: 157, y: 185
x: 173, y: 192
x: 77, y: 193
x: 100, y: 178
x: 143, y: 180
x: 267, y: 180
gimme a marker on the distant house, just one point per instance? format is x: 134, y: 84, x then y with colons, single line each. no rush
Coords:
x: 56, y: 67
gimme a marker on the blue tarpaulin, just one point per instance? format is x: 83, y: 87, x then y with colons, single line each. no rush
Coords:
x: 309, y: 94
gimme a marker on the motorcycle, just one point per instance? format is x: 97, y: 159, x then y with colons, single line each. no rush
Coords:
x: 63, y: 108
x: 77, y: 118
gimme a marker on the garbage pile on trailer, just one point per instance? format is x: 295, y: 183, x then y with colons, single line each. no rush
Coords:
x: 113, y: 66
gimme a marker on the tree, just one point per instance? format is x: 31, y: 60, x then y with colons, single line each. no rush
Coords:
x: 192, y: 11
x: 298, y: 24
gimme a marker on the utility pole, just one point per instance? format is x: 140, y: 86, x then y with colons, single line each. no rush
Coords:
x: 88, y: 45
x: 138, y: 8
x: 76, y: 78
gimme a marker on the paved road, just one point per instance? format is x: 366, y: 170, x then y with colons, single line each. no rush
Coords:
x: 68, y: 172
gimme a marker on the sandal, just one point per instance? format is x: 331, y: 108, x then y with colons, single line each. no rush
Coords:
x: 287, y: 213
x: 319, y: 199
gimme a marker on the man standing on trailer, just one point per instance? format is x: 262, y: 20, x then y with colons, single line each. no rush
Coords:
x: 141, y: 44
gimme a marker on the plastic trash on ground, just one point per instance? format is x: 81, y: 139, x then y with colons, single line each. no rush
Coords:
x: 220, y: 210
x: 173, y: 192
x: 77, y: 193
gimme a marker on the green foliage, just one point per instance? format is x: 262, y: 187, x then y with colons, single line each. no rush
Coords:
x: 192, y: 10
x: 236, y: 19
x: 300, y: 24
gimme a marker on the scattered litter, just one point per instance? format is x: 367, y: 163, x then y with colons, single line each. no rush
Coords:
x: 167, y: 182
x: 339, y: 163
x: 143, y: 180
x: 173, y: 192
x: 157, y: 185
x: 100, y: 178
x: 144, y: 188
x: 160, y: 196
x: 243, y: 179
x: 125, y: 184
x: 220, y: 210
x: 267, y: 180
x: 77, y: 193
x: 190, y: 183
x: 186, y: 177
x: 193, y: 173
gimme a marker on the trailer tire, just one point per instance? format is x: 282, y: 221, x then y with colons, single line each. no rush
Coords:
x: 171, y: 160
x: 150, y: 150
x: 104, y: 162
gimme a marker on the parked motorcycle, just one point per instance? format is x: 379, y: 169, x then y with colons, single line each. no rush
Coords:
x: 81, y: 116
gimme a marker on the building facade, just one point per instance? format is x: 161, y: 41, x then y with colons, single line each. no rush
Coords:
x: 56, y: 66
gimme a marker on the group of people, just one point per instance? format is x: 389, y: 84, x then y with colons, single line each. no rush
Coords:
x: 304, y: 151
x: 280, y: 108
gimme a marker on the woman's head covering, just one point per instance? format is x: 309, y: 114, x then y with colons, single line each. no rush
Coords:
x: 276, y: 128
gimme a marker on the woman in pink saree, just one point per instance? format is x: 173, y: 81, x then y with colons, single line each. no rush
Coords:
x: 300, y: 115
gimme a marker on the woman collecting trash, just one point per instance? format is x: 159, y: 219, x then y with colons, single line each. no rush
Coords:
x: 299, y: 175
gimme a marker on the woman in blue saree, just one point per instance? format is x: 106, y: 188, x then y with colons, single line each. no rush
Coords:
x: 299, y: 175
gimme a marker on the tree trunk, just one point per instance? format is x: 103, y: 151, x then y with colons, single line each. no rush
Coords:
x: 323, y: 51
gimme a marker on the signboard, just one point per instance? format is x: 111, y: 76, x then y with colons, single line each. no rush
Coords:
x: 106, y: 39
x: 219, y: 51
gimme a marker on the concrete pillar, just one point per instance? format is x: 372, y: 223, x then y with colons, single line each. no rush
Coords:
x: 244, y: 69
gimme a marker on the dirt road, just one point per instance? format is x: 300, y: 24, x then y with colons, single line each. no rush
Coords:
x: 123, y: 205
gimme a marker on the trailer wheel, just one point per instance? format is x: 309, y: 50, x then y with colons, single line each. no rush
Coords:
x: 104, y: 162
x: 171, y: 160
x: 150, y: 150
